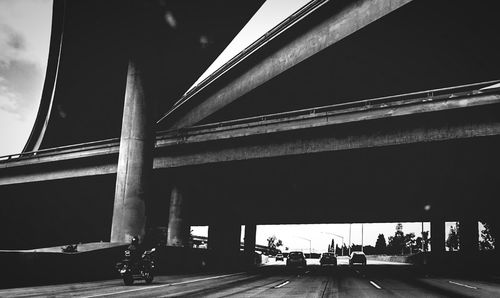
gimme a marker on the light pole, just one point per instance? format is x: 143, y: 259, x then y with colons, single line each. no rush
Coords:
x: 350, y: 225
x: 310, y: 250
x: 361, y: 237
x: 342, y: 247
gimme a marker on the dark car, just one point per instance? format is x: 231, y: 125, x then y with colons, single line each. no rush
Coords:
x: 328, y: 258
x: 279, y: 257
x: 357, y: 257
x: 296, y: 259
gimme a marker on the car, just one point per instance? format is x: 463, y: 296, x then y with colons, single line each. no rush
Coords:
x: 279, y: 257
x: 357, y: 257
x: 328, y: 258
x: 296, y: 259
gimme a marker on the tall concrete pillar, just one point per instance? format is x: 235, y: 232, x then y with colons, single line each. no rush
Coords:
x: 224, y: 244
x: 178, y: 228
x: 469, y: 236
x: 134, y: 162
x: 437, y: 237
x: 249, y: 244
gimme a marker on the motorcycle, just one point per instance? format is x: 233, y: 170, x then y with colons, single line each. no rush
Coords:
x: 142, y: 269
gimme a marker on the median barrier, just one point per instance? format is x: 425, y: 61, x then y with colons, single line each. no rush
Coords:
x: 94, y: 261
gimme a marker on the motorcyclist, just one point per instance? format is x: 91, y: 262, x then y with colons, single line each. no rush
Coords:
x: 135, y: 251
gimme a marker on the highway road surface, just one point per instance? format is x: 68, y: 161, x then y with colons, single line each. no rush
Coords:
x: 275, y: 280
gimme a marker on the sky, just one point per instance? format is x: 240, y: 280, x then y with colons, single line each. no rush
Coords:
x: 270, y: 14
x: 24, y: 44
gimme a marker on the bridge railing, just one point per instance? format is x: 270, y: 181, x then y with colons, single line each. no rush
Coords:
x: 421, y: 96
x: 58, y: 150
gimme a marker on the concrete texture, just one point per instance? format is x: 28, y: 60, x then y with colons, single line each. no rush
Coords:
x: 178, y: 227
x: 134, y: 162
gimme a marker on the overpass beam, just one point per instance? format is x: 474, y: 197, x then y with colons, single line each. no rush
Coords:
x: 346, y: 18
x: 178, y: 229
x: 135, y: 160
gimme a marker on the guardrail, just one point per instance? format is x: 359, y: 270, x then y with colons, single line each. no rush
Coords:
x: 58, y: 150
x: 421, y: 96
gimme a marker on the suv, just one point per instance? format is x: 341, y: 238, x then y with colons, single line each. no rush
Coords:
x: 279, y: 257
x: 296, y: 259
x: 357, y: 257
x: 328, y: 258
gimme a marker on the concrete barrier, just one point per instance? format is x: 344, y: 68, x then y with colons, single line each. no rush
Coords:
x: 390, y: 258
x: 51, y: 265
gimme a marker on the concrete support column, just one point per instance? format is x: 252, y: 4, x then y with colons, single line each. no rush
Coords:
x: 134, y: 162
x: 178, y: 229
x: 249, y: 244
x: 469, y: 236
x: 437, y: 237
x: 224, y: 244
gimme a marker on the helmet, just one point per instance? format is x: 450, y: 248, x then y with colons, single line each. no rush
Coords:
x: 135, y: 240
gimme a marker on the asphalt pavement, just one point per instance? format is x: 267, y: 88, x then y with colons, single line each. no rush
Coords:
x: 276, y: 280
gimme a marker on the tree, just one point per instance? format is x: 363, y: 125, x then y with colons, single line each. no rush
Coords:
x: 409, y: 241
x: 425, y: 240
x: 273, y: 243
x: 381, y: 245
x: 399, y: 227
x: 453, y: 240
x: 487, y: 241
x: 397, y: 243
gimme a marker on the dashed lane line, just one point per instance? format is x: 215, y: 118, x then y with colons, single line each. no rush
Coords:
x: 282, y: 284
x: 462, y: 285
x: 161, y: 286
x: 375, y: 285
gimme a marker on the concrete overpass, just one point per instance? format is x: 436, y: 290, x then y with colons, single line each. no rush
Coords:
x: 262, y: 126
x: 181, y: 148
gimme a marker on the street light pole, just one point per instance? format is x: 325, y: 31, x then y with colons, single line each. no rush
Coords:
x: 310, y: 246
x: 422, y: 234
x: 361, y: 237
x: 342, y: 247
x: 350, y: 238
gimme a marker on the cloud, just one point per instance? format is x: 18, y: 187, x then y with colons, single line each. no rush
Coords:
x: 24, y: 44
x: 20, y: 87
x: 8, y: 100
x: 12, y: 45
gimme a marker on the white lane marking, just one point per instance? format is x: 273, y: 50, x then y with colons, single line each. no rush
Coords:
x: 160, y: 286
x: 202, y: 279
x: 463, y: 285
x: 282, y: 284
x: 357, y: 271
x: 375, y: 285
x: 306, y: 272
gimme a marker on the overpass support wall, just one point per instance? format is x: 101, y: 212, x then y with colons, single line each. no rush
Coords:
x: 178, y: 228
x: 135, y: 161
x: 437, y: 239
x: 224, y: 244
x: 469, y: 236
x: 249, y: 244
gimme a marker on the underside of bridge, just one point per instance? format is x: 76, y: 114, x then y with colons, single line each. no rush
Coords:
x: 422, y: 45
x: 458, y: 179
